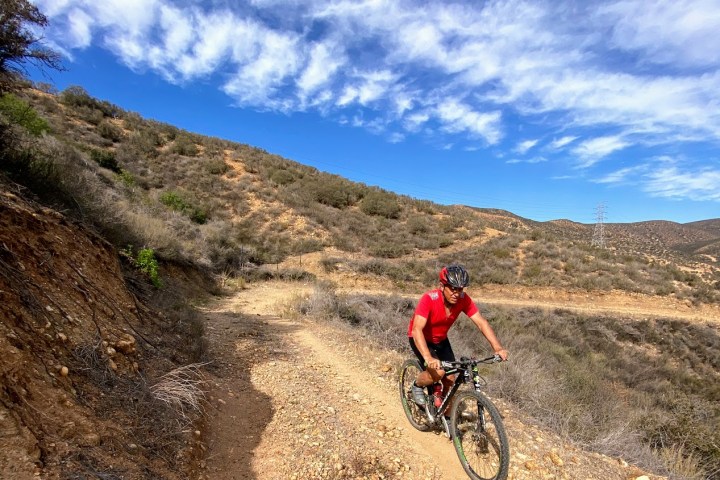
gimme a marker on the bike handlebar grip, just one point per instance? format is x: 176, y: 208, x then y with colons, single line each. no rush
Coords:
x: 497, y: 358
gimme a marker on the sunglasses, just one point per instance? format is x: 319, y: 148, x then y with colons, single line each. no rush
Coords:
x: 455, y: 289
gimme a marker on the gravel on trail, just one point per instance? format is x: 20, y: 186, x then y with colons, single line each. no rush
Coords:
x: 298, y: 399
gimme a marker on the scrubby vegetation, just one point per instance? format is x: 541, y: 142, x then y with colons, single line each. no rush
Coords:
x: 645, y: 390
x: 231, y: 207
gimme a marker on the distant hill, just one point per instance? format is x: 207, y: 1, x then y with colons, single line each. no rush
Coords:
x: 712, y: 226
x: 659, y: 236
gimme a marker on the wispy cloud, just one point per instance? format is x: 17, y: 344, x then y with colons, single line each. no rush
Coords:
x: 620, y: 176
x: 458, y: 72
x: 524, y: 146
x: 527, y: 160
x: 671, y: 33
x: 458, y: 117
x: 561, y: 142
x: 512, y: 54
x: 592, y: 151
x: 671, y: 182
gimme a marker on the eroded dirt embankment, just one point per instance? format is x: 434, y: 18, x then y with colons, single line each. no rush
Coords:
x: 79, y: 351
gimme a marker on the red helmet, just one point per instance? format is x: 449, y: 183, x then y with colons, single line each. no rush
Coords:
x: 455, y: 276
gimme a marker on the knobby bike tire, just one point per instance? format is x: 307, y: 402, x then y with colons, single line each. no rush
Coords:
x: 483, y: 451
x: 415, y: 413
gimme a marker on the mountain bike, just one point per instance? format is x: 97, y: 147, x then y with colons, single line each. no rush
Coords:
x: 474, y: 426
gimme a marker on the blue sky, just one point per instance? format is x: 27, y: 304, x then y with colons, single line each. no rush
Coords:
x: 547, y: 109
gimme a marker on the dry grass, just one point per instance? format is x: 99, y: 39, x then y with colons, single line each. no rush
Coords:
x: 601, y: 390
x: 183, y: 390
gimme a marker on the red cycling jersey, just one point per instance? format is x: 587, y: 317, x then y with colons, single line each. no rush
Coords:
x: 432, y: 307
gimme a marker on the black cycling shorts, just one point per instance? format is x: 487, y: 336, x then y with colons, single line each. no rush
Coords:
x: 441, y: 350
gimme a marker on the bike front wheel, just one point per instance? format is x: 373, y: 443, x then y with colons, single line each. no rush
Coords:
x: 415, y: 413
x: 479, y: 437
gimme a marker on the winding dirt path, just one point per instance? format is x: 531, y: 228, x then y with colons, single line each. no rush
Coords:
x: 294, y: 399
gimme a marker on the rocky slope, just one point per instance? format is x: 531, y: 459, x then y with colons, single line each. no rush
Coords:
x: 80, y: 352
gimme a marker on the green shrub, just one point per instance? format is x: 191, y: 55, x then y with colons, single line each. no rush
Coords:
x: 330, y: 264
x: 332, y: 193
x: 105, y: 159
x: 216, y: 166
x: 176, y: 202
x: 282, y: 177
x: 78, y: 97
x: 110, y: 131
x: 184, y: 145
x: 147, y: 264
x: 126, y: 178
x: 450, y: 224
x: 145, y: 143
x: 417, y: 225
x: 21, y: 113
x: 380, y: 203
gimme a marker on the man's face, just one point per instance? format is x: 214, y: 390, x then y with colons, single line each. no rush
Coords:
x: 452, y: 294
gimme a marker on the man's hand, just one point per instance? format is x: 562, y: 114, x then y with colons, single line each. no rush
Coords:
x: 503, y: 354
x: 433, y: 363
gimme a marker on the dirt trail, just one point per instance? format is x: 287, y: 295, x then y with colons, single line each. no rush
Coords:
x: 345, y: 421
x: 304, y: 400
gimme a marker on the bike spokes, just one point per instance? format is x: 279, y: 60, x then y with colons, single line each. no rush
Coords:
x: 479, y: 437
x: 415, y: 413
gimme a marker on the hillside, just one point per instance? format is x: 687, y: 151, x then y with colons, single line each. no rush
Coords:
x: 123, y: 224
x: 230, y: 207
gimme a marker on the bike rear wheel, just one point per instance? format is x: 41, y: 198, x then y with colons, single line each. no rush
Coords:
x: 414, y: 412
x: 479, y: 436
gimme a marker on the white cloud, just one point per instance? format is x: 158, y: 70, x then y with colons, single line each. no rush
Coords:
x: 524, y: 146
x: 670, y: 182
x: 256, y: 81
x: 561, y: 142
x: 396, y: 137
x: 367, y: 87
x: 414, y: 121
x: 193, y: 46
x: 457, y: 117
x: 79, y: 29
x: 531, y: 161
x: 667, y: 32
x: 592, y: 151
x: 620, y: 176
x: 178, y: 31
x: 537, y: 160
x: 321, y: 67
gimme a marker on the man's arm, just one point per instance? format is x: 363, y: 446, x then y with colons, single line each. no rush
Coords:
x: 487, y: 330
x: 419, y: 323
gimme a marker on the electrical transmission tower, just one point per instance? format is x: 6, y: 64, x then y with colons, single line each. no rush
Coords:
x: 598, y: 239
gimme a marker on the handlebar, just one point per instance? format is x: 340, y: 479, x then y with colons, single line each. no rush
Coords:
x: 468, y: 362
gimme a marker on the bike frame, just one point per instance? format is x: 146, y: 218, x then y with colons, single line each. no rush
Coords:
x: 465, y: 374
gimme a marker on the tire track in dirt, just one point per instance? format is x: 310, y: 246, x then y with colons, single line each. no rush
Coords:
x: 386, y: 403
x: 289, y: 401
x: 297, y: 399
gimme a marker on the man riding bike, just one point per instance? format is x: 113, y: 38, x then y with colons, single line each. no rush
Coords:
x: 435, y: 313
